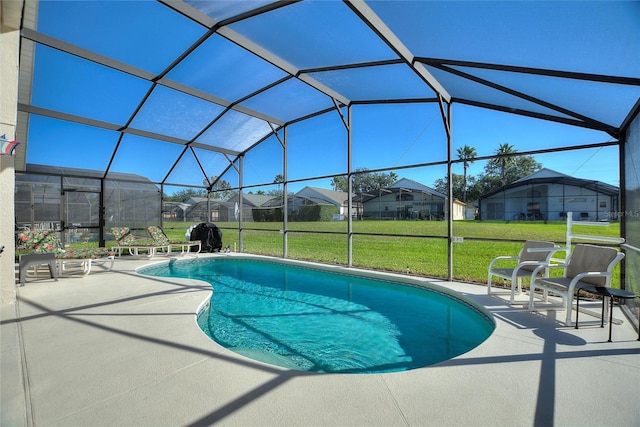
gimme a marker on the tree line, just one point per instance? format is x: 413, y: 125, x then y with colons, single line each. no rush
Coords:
x: 219, y: 188
x: 364, y: 182
x: 506, y: 167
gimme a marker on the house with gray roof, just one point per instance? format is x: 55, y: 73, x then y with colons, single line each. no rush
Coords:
x: 339, y: 199
x: 409, y: 199
x: 549, y: 195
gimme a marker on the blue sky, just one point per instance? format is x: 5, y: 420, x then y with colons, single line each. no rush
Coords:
x: 410, y: 136
x: 386, y: 136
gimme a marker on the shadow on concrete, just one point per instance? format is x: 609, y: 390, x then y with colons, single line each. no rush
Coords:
x: 522, y: 319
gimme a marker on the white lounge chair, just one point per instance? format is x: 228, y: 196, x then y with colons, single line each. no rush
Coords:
x: 533, y: 254
x: 135, y: 245
x: 587, y: 265
x: 160, y: 238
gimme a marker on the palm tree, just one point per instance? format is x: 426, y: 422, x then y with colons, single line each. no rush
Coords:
x: 505, y: 159
x: 279, y: 179
x: 467, y: 155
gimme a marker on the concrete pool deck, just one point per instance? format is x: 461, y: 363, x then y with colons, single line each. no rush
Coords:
x: 120, y: 349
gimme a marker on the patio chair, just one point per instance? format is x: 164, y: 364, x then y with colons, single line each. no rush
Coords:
x: 160, y: 238
x: 533, y: 254
x: 126, y: 241
x: 587, y: 265
x: 69, y: 260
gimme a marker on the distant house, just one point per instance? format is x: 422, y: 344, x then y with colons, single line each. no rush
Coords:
x: 201, y: 209
x: 549, y: 195
x: 197, y: 209
x: 175, y: 210
x: 250, y: 199
x: 339, y: 199
x: 194, y: 210
x: 460, y: 210
x: 471, y: 211
x: 249, y: 202
x: 298, y: 209
x: 309, y: 204
x: 409, y: 199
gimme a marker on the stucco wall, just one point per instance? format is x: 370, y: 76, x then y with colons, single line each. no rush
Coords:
x: 9, y: 39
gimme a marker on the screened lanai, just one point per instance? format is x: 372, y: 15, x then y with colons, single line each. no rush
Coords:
x: 257, y: 97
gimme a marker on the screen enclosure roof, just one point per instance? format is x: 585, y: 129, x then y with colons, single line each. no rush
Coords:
x: 195, y: 84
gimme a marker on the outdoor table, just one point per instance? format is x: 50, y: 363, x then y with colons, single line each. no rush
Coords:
x: 611, y: 293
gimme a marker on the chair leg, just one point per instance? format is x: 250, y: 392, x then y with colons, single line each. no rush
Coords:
x: 532, y: 292
x: 518, y: 284
x: 605, y: 311
x: 86, y: 267
x: 568, y: 299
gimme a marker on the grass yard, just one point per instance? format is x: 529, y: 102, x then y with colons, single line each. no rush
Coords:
x: 417, y: 247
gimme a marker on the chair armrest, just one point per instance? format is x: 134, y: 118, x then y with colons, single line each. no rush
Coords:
x: 540, y: 265
x: 532, y: 263
x: 502, y: 258
x: 559, y: 265
x: 546, y: 265
x: 592, y: 274
x: 548, y: 249
x: 579, y: 277
x: 551, y: 251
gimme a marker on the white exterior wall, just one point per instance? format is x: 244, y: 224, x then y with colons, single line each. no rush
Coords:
x: 10, y: 40
x: 458, y: 211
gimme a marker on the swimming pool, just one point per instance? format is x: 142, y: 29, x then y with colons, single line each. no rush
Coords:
x: 317, y: 320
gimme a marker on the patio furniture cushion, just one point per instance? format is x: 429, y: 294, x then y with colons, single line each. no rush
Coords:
x: 591, y: 258
x: 71, y: 260
x: 531, y: 259
x: 160, y: 238
x: 46, y: 241
x: 123, y: 236
x: 127, y: 241
x: 158, y: 235
x: 41, y: 241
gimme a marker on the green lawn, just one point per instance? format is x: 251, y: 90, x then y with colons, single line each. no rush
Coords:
x: 418, y: 247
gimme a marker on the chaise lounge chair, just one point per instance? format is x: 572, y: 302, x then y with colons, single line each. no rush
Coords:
x: 135, y: 245
x: 533, y: 254
x: 587, y: 265
x: 160, y: 238
x: 69, y: 260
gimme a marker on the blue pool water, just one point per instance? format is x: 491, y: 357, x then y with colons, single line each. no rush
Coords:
x: 321, y: 321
